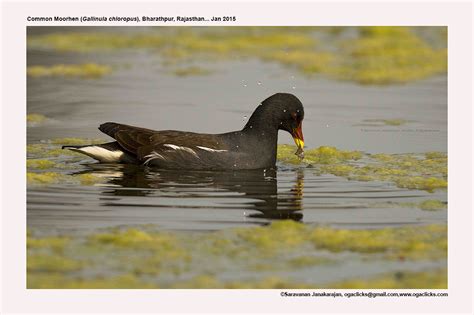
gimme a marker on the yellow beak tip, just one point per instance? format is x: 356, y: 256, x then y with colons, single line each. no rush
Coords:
x: 299, y: 143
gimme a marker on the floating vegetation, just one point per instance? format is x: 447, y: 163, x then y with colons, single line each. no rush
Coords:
x: 387, y: 122
x: 85, y: 71
x: 144, y: 257
x: 432, y: 205
x: 425, y: 172
x: 40, y: 164
x: 321, y: 155
x: 95, y: 41
x: 51, y: 263
x: 390, y: 54
x: 52, y: 149
x: 436, y: 279
x: 49, y: 178
x: 46, y: 163
x: 35, y: 119
x: 308, y: 62
x: 191, y: 71
x: 375, y: 55
x: 401, y: 243
x: 45, y: 178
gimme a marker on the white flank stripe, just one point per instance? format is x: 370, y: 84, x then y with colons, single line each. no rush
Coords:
x: 210, y: 150
x: 152, y: 156
x: 186, y: 149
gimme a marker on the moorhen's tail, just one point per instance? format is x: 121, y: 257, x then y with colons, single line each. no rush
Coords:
x: 112, y: 129
x: 110, y: 152
x: 130, y: 138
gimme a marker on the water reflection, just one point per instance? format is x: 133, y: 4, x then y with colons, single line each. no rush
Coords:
x: 249, y: 190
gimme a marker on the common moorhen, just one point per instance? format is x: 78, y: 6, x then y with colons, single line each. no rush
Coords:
x: 253, y: 147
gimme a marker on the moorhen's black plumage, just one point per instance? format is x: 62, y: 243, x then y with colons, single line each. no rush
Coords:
x: 253, y: 147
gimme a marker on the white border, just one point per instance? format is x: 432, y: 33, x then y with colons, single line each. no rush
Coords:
x: 17, y: 299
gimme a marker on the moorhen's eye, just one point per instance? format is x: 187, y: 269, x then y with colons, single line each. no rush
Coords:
x: 293, y: 115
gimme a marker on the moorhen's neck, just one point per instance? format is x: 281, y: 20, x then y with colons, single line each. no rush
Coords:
x: 261, y: 120
x: 261, y: 136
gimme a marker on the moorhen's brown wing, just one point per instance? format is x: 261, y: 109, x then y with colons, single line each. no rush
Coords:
x: 173, y: 149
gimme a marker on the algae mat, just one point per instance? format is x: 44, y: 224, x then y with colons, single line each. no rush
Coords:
x: 285, y: 254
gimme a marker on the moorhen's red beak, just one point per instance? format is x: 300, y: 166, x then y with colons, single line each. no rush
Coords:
x: 298, y: 136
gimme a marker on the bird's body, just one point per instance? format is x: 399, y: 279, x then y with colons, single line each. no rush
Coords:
x: 253, y: 147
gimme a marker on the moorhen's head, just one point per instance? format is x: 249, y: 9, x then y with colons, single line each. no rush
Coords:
x: 283, y: 111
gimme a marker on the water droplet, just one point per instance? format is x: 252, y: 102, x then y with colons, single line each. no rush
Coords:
x: 245, y: 85
x: 284, y: 110
x: 251, y: 127
x: 245, y: 118
x: 235, y: 165
x: 297, y: 110
x: 327, y: 126
x: 292, y: 77
x: 236, y: 146
x: 294, y: 87
x: 259, y: 83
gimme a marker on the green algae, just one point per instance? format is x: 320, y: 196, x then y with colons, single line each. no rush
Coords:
x: 307, y: 62
x: 134, y: 238
x: 321, y: 155
x: 40, y: 263
x: 423, y: 183
x: 387, y: 122
x: 436, y: 279
x: 429, y: 205
x: 51, y: 150
x: 375, y: 55
x: 308, y: 261
x: 95, y: 41
x: 407, y: 242
x: 191, y: 71
x: 35, y: 119
x: 55, y: 243
x: 413, y: 171
x: 89, y: 179
x: 210, y: 282
x: 49, y: 178
x: 270, y: 240
x: 44, y: 178
x: 85, y: 71
x: 47, y: 162
x: 40, y: 164
x: 383, y: 55
x: 143, y: 257
x: 56, y: 280
x: 432, y: 205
